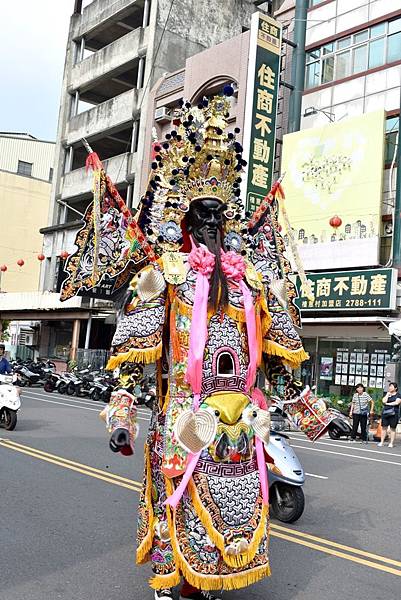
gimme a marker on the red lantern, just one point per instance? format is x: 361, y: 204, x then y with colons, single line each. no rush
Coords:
x: 64, y: 254
x: 3, y: 268
x: 335, y: 222
x: 41, y: 257
x: 20, y: 262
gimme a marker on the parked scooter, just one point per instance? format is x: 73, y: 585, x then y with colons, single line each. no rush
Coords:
x: 10, y: 402
x: 55, y: 382
x: 286, y: 478
x: 101, y: 389
x: 340, y: 426
x: 33, y: 373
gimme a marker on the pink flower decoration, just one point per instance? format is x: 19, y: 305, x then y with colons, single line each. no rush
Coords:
x: 201, y: 260
x: 233, y: 265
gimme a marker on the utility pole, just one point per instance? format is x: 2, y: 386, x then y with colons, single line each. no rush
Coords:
x: 298, y: 66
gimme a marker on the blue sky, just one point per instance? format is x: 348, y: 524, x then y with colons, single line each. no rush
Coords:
x: 32, y: 49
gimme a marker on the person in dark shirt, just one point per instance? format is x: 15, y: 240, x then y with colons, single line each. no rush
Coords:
x: 390, y: 413
x: 5, y: 366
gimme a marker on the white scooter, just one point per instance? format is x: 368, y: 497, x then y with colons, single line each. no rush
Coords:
x: 286, y: 478
x: 10, y: 402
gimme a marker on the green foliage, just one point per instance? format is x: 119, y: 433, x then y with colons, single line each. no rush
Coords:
x: 71, y: 365
x: 5, y: 334
x: 343, y: 403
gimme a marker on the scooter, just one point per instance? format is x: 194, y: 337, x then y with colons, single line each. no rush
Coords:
x: 340, y: 427
x: 10, y: 402
x: 286, y: 478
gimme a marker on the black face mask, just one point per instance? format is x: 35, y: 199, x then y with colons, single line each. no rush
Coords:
x: 205, y: 219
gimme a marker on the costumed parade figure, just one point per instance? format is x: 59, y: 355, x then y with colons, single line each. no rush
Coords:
x: 208, y: 299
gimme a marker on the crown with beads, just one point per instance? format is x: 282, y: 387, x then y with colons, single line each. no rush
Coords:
x: 199, y: 159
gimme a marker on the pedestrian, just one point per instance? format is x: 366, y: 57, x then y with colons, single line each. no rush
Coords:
x: 390, y: 413
x: 5, y: 367
x: 359, y: 411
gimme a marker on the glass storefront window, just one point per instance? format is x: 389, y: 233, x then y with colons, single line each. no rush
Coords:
x: 394, y: 47
x: 337, y: 366
x: 360, y: 61
x: 376, y: 53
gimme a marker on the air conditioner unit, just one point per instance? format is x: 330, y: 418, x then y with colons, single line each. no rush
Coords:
x: 27, y: 339
x: 163, y: 114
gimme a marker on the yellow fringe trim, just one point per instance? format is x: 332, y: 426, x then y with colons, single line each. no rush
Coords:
x: 144, y: 548
x: 162, y: 582
x: 239, y: 560
x: 293, y: 358
x: 136, y: 355
x: 233, y: 581
x: 166, y: 400
x: 266, y: 318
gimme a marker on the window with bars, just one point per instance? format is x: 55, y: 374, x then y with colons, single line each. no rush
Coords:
x: 372, y: 47
x: 24, y: 168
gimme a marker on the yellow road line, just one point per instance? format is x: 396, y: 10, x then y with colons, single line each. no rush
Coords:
x: 7, y: 442
x: 276, y: 530
x: 308, y: 536
x: 60, y: 463
x: 355, y: 559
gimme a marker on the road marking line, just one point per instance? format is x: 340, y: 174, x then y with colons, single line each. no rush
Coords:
x: 79, y: 407
x: 390, y: 462
x: 277, y: 529
x: 9, y: 442
x: 60, y: 463
x: 315, y: 538
x: 317, y: 476
x: 349, y: 447
x: 92, y: 403
x: 355, y: 559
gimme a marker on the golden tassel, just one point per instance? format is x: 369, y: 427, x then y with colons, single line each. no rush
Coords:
x: 144, y: 548
x: 139, y: 355
x: 293, y: 358
x: 233, y: 581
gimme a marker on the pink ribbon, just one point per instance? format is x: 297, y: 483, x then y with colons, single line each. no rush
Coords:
x: 260, y: 457
x: 259, y: 399
x: 250, y: 318
x: 174, y: 499
x: 202, y: 261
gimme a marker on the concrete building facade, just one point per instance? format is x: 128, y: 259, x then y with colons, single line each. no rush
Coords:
x: 26, y: 170
x: 115, y: 53
x: 353, y: 67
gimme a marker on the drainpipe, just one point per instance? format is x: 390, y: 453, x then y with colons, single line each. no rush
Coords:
x: 397, y: 207
x: 298, y: 66
x: 146, y: 11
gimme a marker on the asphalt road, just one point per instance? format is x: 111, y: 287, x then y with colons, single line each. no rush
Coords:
x: 68, y: 504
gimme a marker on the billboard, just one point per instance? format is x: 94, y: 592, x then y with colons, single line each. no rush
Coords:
x: 370, y: 289
x: 333, y: 187
x: 261, y: 106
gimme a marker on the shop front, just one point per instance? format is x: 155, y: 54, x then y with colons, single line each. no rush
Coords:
x: 345, y: 331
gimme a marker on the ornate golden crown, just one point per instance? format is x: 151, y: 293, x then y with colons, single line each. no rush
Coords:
x: 199, y: 159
